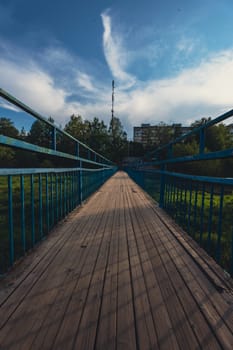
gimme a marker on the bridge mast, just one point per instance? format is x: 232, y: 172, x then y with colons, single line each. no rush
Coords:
x: 112, y: 120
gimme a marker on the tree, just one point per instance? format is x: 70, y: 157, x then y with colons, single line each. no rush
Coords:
x: 98, y: 138
x: 7, y: 127
x: 77, y: 128
x: 108, y: 142
x: 218, y: 137
x: 118, y: 139
x: 23, y: 134
x: 41, y: 133
x: 7, y: 155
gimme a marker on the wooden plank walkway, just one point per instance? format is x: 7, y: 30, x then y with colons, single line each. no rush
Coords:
x: 117, y: 274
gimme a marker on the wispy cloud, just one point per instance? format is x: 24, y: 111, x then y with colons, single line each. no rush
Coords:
x: 59, y: 86
x: 32, y: 85
x: 115, y: 54
x: 85, y: 81
x: 186, y: 45
x: 196, y: 92
x: 6, y: 105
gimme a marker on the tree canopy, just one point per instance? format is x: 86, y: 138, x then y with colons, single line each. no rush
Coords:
x: 112, y: 143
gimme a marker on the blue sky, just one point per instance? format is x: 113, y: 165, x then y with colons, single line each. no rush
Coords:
x: 172, y: 61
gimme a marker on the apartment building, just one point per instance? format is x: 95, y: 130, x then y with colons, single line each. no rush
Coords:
x: 154, y: 134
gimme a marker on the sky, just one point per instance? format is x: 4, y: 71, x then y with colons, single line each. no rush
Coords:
x: 172, y: 61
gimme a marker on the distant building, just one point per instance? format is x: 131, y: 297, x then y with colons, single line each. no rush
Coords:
x: 147, y: 134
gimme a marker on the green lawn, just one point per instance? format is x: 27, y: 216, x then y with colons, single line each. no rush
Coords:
x: 51, y: 201
x: 192, y: 211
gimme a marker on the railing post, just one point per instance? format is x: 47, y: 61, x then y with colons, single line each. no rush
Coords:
x: 219, y: 230
x: 162, y: 186
x: 54, y: 138
x: 231, y: 268
x: 10, y: 219
x: 22, y: 213
x: 202, y: 141
x: 40, y: 206
x: 77, y: 149
x: 80, y: 183
x: 32, y: 210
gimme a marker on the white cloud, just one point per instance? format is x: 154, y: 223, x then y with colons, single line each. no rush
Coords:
x: 32, y: 85
x: 196, y: 92
x: 186, y: 45
x: 85, y: 81
x: 204, y: 90
x: 115, y: 54
x: 49, y: 94
x: 6, y: 105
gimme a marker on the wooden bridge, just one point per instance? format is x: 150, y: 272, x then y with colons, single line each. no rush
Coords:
x: 117, y: 273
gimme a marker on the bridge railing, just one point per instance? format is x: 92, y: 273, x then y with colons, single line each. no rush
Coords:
x: 201, y: 205
x: 33, y: 201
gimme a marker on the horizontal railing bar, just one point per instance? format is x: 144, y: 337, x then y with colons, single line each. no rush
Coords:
x: 11, y: 142
x: 195, y: 131
x: 200, y: 205
x: 204, y: 156
x: 29, y: 110
x: 216, y: 180
x: 24, y: 171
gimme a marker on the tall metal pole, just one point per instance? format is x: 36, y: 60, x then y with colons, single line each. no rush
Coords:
x: 113, y: 87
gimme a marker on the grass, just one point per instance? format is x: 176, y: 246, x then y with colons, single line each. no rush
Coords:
x: 50, y: 202
x: 201, y: 216
x: 40, y: 213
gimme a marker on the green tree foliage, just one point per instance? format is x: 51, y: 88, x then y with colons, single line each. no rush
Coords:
x: 109, y: 142
x: 97, y: 137
x: 7, y: 157
x: 7, y: 154
x: 23, y: 135
x: 7, y: 128
x: 164, y: 133
x: 217, y: 138
x: 77, y: 127
x: 118, y: 140
x: 41, y: 133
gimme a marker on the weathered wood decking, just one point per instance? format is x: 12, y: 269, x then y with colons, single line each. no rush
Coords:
x: 117, y: 274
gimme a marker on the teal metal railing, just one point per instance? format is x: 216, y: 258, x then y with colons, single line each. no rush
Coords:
x: 201, y: 205
x: 33, y: 201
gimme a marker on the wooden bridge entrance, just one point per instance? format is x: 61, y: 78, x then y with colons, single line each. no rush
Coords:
x: 117, y: 274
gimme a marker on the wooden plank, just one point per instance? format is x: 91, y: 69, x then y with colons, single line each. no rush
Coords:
x: 44, y: 292
x: 179, y: 319
x: 86, y: 334
x: 208, y: 283
x: 107, y: 325
x: 165, y: 333
x: 146, y: 330
x: 45, y: 249
x: 126, y: 335
x: 206, y: 295
x: 206, y: 263
x: 55, y: 315
x: 120, y: 276
x: 68, y: 330
x: 212, y: 319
